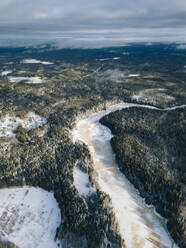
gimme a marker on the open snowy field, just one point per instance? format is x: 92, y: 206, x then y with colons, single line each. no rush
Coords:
x: 29, y: 217
x: 28, y: 80
x: 8, y: 124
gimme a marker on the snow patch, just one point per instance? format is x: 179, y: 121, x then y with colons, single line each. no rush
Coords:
x: 153, y: 96
x: 105, y: 59
x: 29, y: 217
x: 133, y: 75
x: 32, y: 121
x: 112, y: 75
x: 8, y: 125
x: 5, y: 73
x: 82, y: 183
x: 28, y: 80
x: 35, y: 61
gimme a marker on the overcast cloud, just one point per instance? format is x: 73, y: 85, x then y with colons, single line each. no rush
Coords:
x: 109, y: 20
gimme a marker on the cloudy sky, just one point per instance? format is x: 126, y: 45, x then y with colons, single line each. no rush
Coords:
x: 111, y: 21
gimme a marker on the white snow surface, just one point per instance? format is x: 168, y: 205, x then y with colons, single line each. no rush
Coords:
x: 82, y: 183
x: 28, y: 80
x: 4, y: 73
x: 35, y: 61
x: 29, y: 217
x: 8, y: 124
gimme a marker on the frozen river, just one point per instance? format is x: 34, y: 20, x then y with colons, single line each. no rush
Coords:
x: 139, y: 223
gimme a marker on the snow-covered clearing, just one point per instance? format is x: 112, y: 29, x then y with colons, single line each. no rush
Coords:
x: 29, y: 217
x: 8, y: 124
x: 82, y: 183
x: 153, y: 96
x: 5, y: 73
x: 28, y: 80
x: 35, y: 61
x: 113, y: 75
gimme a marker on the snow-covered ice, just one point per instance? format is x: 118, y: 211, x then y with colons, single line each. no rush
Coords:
x: 5, y: 73
x: 8, y: 124
x: 28, y: 80
x: 29, y: 217
x: 35, y: 61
